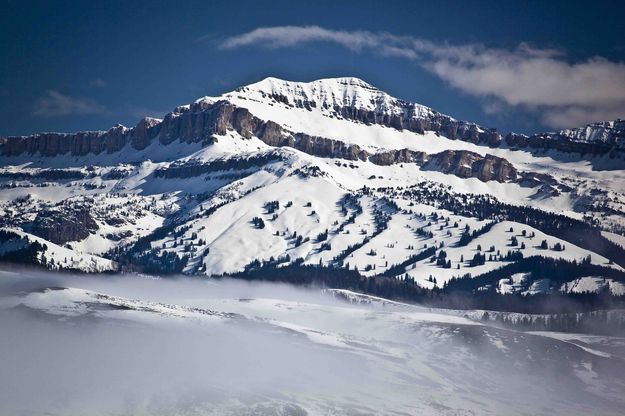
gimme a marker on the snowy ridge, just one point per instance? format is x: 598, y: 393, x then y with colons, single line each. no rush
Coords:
x: 612, y: 132
x: 326, y: 94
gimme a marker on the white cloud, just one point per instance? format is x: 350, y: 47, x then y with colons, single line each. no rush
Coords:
x: 282, y: 36
x: 55, y: 104
x: 562, y: 93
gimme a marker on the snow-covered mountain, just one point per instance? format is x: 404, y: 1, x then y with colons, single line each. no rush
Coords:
x: 332, y: 172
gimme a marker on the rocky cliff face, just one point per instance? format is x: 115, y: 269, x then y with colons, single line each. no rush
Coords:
x: 53, y: 144
x: 410, y: 117
x: 347, y: 98
x: 398, y: 156
x: 64, y: 224
x: 594, y: 139
x: 608, y: 132
x: 467, y: 164
x: 144, y: 132
x: 190, y: 169
x: 461, y: 163
x: 356, y: 100
x: 200, y: 121
x: 439, y: 123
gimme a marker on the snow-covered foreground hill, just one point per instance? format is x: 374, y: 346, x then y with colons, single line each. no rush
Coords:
x: 138, y: 345
x: 332, y: 173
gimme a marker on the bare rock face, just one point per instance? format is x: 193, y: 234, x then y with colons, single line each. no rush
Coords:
x: 495, y: 168
x: 114, y: 140
x: 272, y: 134
x: 436, y: 122
x: 189, y: 169
x: 202, y: 120
x: 76, y: 144
x: 324, y: 147
x: 594, y: 139
x: 64, y: 224
x: 516, y: 140
x: 144, y: 132
x: 611, y: 133
x: 466, y: 164
x: 403, y: 116
x: 398, y: 156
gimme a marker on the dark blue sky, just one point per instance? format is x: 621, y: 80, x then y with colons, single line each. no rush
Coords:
x: 67, y: 66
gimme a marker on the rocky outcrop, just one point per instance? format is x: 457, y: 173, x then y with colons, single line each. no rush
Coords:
x: 410, y: 117
x: 144, y: 132
x: 533, y: 179
x: 398, y: 156
x: 611, y: 133
x: 44, y: 174
x: 199, y: 121
x: 594, y: 139
x: 64, y: 224
x: 202, y: 120
x: 324, y: 147
x: 462, y: 163
x: 466, y: 164
x: 53, y: 144
x: 189, y: 169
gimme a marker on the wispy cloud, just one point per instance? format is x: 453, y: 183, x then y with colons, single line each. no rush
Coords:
x: 542, y: 81
x: 357, y: 41
x: 55, y: 104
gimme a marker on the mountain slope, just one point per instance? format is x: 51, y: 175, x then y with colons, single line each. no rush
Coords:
x: 334, y: 172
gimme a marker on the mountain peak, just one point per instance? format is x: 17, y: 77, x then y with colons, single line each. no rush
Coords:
x: 326, y: 94
x: 323, y: 83
x: 319, y: 90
